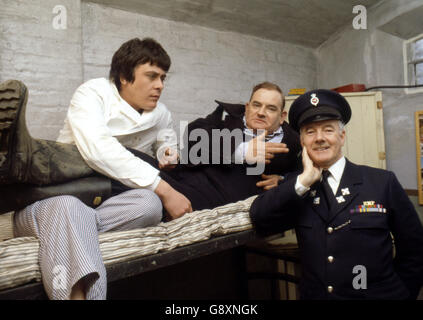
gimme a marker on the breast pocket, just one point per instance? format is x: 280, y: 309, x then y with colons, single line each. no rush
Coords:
x: 369, y: 221
x: 370, y: 232
x: 370, y: 243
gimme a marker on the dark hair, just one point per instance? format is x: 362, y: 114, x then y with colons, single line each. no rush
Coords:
x: 133, y: 53
x: 269, y: 86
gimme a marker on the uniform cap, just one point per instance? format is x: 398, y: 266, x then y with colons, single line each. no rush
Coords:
x: 318, y: 105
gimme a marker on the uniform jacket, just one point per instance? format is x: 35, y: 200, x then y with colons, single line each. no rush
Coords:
x: 101, y: 124
x: 334, y: 245
x: 211, y: 185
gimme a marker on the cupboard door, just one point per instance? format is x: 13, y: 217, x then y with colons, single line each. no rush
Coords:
x: 365, y: 139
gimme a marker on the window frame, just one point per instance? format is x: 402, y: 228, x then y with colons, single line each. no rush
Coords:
x: 406, y: 44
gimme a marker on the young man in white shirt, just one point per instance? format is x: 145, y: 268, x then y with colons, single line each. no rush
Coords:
x: 104, y: 117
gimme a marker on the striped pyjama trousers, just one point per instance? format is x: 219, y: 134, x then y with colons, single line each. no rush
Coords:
x: 68, y: 231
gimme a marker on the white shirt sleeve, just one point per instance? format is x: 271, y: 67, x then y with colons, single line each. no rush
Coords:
x: 240, y: 152
x: 166, y: 137
x: 103, y: 152
x: 299, y: 188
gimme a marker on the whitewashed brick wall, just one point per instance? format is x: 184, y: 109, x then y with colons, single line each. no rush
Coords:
x: 206, y: 64
x: 47, y: 60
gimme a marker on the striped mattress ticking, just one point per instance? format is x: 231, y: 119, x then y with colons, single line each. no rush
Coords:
x: 19, y: 256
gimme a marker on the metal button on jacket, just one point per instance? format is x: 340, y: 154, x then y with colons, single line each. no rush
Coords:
x: 330, y: 289
x: 330, y: 259
x: 330, y: 230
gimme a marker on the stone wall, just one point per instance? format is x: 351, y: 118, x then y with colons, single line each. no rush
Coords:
x: 206, y: 64
x: 47, y: 60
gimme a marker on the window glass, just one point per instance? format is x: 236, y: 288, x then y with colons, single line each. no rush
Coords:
x: 419, y: 73
x: 414, y: 62
x: 418, y: 49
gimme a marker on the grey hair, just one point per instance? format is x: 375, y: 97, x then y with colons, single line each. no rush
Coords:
x: 341, y: 125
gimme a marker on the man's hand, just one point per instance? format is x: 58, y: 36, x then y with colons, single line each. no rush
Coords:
x: 260, y: 151
x: 169, y: 159
x: 269, y: 181
x: 175, y: 203
x: 311, y: 173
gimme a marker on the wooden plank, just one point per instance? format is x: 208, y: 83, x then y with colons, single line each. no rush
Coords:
x: 412, y: 192
x: 135, y: 267
x: 31, y: 291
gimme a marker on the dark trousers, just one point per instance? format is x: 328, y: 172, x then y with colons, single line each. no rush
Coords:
x: 190, y: 181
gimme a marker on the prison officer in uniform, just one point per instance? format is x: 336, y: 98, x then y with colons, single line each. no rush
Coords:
x: 346, y: 216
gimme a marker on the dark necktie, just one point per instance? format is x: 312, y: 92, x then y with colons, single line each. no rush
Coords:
x: 327, y: 189
x: 252, y: 134
x: 271, y: 136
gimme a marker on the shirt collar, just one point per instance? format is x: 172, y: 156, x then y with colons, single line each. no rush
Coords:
x: 127, y: 109
x: 115, y: 90
x: 276, y: 136
x: 337, y: 169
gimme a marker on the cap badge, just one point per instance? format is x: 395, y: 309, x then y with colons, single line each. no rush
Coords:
x: 314, y: 100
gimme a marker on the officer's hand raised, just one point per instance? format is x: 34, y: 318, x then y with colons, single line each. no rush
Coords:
x: 311, y: 173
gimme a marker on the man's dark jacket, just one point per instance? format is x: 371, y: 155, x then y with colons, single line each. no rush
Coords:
x: 335, y: 245
x: 205, y: 185
x: 212, y: 185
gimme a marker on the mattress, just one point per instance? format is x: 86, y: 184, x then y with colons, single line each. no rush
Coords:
x: 19, y: 256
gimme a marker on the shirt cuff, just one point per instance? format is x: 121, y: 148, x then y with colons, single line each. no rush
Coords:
x: 153, y: 186
x: 300, y: 189
x: 240, y: 152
